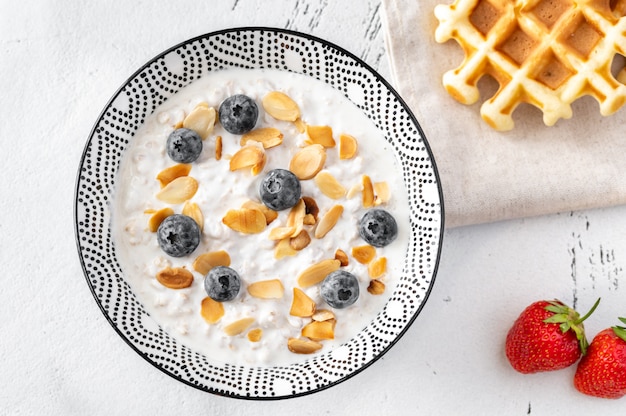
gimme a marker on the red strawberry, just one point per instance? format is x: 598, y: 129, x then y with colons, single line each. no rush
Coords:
x: 548, y: 335
x: 602, y: 372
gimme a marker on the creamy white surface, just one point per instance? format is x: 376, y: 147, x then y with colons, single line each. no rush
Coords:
x: 178, y: 311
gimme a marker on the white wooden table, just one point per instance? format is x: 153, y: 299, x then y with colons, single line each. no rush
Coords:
x: 59, y: 64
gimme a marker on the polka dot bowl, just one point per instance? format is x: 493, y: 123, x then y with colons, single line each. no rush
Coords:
x: 158, y: 80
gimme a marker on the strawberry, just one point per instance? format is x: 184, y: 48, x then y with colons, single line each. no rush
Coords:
x: 548, y: 335
x: 602, y: 372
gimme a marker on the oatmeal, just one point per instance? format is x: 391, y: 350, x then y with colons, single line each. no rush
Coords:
x: 344, y: 168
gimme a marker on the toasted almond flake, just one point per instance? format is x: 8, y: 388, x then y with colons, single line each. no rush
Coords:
x: 342, y: 257
x: 320, y: 135
x: 245, y: 220
x: 284, y: 249
x: 280, y: 233
x: 270, y: 214
x: 179, y: 190
x: 311, y: 207
x: 300, y: 125
x: 296, y: 217
x: 316, y: 273
x: 377, y: 267
x: 191, y: 209
x: 354, y: 190
x: 149, y: 211
x: 268, y: 136
x: 254, y: 335
x: 178, y: 125
x: 201, y: 120
x: 323, y: 315
x: 329, y: 186
x: 167, y: 175
x: 175, y: 278
x: 206, y: 261
x: 249, y: 156
x: 382, y: 194
x: 238, y: 327
x: 211, y: 310
x: 368, y: 192
x: 319, y: 330
x: 280, y: 106
x: 300, y: 241
x: 308, y: 161
x: 267, y: 289
x: 303, y: 346
x: 347, y: 146
x: 218, y: 148
x: 328, y: 221
x: 157, y: 218
x: 376, y: 287
x: 301, y: 305
x: 364, y: 254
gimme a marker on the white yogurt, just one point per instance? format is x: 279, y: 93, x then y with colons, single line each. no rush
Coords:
x: 252, y: 256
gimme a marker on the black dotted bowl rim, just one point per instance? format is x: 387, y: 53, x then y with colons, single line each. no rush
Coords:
x: 410, y: 115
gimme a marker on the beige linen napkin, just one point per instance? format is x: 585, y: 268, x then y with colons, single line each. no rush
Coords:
x: 488, y: 175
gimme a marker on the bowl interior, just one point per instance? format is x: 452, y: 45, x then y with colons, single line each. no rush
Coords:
x: 270, y: 48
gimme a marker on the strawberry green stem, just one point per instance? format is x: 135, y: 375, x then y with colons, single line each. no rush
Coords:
x: 588, y: 314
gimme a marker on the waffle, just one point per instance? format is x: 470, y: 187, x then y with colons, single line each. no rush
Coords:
x: 547, y: 53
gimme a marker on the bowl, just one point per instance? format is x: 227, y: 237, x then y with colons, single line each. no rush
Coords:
x: 255, y: 48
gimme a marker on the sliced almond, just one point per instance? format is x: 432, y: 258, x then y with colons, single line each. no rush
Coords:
x: 364, y: 254
x: 270, y: 214
x: 377, y: 267
x: 323, y: 315
x: 320, y: 135
x: 179, y: 190
x: 316, y: 273
x: 254, y: 335
x: 284, y: 249
x: 301, y: 305
x: 206, y: 261
x: 167, y: 175
x: 300, y: 125
x: 368, y: 192
x: 308, y: 161
x: 296, y: 217
x: 201, y: 120
x: 309, y: 219
x: 211, y: 310
x: 249, y: 156
x: 281, y: 233
x: 329, y: 185
x: 382, y: 194
x: 303, y: 346
x: 238, y: 327
x: 354, y: 190
x: 300, y: 241
x: 157, y: 218
x: 191, y: 209
x: 342, y: 257
x: 267, y: 289
x: 268, y: 136
x: 376, y: 287
x: 175, y: 278
x: 218, y: 148
x: 280, y: 106
x: 319, y: 330
x: 347, y: 146
x: 328, y: 221
x: 245, y: 220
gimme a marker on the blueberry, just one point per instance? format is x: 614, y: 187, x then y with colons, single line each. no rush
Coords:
x: 178, y: 235
x: 238, y: 114
x: 184, y: 145
x: 340, y: 289
x: 280, y: 189
x: 222, y: 283
x: 378, y: 227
